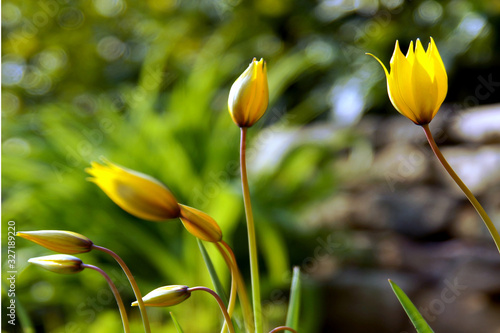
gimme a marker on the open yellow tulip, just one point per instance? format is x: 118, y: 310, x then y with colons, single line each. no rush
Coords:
x: 417, y: 84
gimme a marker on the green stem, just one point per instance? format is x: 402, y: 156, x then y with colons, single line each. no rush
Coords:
x: 480, y: 210
x: 118, y: 298
x: 221, y: 305
x: 232, y: 295
x: 230, y: 260
x: 252, y: 243
x: 134, y: 285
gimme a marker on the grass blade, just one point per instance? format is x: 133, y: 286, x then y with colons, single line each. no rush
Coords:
x: 213, y: 274
x: 292, y: 318
x: 176, y: 323
x: 416, y: 318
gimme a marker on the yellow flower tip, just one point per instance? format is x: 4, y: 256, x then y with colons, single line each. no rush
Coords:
x: 59, y: 263
x: 380, y: 62
x: 249, y: 95
x: 61, y: 241
x: 166, y: 296
x: 139, y: 194
x: 200, y: 224
x: 417, y: 83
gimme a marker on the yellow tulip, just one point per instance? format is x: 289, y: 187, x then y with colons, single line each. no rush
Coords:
x: 136, y: 193
x: 200, y: 224
x: 59, y: 240
x: 417, y: 84
x: 59, y: 263
x: 166, y: 296
x: 249, y: 95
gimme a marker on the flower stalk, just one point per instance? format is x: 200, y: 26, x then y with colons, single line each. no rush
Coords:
x: 234, y: 286
x: 123, y: 312
x: 480, y: 210
x: 282, y: 328
x: 133, y: 284
x: 230, y: 259
x: 252, y: 242
x: 221, y: 305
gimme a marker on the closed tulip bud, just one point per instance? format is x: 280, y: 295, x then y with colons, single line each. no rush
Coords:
x: 249, y: 95
x: 59, y: 263
x: 200, y: 224
x: 166, y: 296
x: 417, y: 84
x: 59, y: 240
x: 136, y: 193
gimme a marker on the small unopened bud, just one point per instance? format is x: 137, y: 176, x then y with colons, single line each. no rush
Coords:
x: 249, y: 95
x: 200, y: 224
x: 59, y: 240
x: 166, y: 296
x: 59, y: 263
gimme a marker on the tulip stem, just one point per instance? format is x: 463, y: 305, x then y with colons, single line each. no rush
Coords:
x: 123, y: 312
x: 252, y: 243
x: 480, y: 210
x: 247, y: 312
x: 283, y: 328
x: 234, y: 285
x: 230, y: 260
x: 221, y: 305
x: 134, y: 285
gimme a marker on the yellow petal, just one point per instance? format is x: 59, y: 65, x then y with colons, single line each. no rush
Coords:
x: 400, y: 88
x: 440, y: 75
x: 381, y: 63
x: 249, y: 95
x: 200, y: 224
x: 424, y: 89
x: 410, y: 54
x: 135, y: 192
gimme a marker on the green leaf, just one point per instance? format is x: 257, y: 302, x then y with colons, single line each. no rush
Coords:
x: 292, y: 318
x: 274, y: 250
x: 213, y: 274
x: 416, y: 318
x: 176, y: 323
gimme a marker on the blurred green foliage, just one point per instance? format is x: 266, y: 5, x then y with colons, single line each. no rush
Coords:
x: 145, y: 84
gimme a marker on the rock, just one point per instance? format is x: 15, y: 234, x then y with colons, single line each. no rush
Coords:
x: 479, y: 125
x: 479, y: 169
x: 401, y: 164
x: 361, y: 297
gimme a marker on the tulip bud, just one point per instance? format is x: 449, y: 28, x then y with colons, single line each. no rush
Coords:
x: 166, y: 296
x: 59, y: 240
x: 417, y: 84
x: 59, y: 263
x: 200, y: 224
x: 136, y: 193
x: 249, y: 95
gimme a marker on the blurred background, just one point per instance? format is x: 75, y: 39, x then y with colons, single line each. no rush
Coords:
x: 342, y: 185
